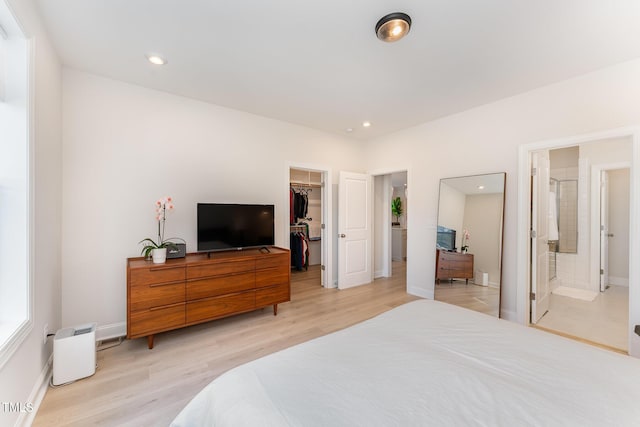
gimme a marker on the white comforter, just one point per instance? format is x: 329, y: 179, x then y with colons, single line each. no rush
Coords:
x: 426, y: 363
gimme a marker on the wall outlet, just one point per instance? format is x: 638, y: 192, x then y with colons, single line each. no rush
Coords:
x: 45, y: 332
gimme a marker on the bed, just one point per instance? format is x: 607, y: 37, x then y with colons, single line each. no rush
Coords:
x: 426, y: 363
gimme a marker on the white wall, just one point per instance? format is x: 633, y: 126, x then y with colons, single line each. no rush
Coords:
x: 22, y: 372
x: 619, y: 227
x: 486, y: 140
x: 125, y: 146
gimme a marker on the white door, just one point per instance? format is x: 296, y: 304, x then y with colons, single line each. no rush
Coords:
x: 604, y: 230
x: 355, y: 211
x: 539, y: 236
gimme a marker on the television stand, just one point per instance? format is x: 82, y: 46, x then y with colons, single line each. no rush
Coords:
x: 266, y: 249
x: 199, y: 288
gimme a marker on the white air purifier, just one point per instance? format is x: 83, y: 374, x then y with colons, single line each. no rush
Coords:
x: 74, y: 353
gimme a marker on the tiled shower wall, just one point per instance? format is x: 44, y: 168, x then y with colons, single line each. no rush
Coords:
x: 568, y: 218
x: 572, y: 269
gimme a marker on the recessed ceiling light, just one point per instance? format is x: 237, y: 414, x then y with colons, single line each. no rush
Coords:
x: 156, y: 59
x: 480, y: 187
x: 366, y: 124
x: 393, y: 27
x: 349, y: 129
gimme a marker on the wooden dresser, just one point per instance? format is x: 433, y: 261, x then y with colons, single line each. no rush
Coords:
x: 453, y: 265
x: 199, y: 288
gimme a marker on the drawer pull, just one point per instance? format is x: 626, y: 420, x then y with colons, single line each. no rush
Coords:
x: 216, y: 276
x: 162, y: 307
x: 157, y: 285
x: 165, y: 268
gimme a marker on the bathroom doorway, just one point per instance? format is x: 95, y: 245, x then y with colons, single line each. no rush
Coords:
x: 580, y: 241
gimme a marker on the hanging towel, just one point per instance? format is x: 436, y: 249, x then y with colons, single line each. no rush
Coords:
x: 553, y: 218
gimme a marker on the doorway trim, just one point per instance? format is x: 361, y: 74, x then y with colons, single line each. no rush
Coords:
x: 596, y: 170
x: 328, y: 240
x: 523, y: 268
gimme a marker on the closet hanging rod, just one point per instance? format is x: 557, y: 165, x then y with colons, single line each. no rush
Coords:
x: 304, y: 184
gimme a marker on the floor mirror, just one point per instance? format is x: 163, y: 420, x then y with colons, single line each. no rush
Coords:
x: 469, y: 242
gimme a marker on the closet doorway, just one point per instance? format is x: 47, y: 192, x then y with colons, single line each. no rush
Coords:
x: 307, y: 225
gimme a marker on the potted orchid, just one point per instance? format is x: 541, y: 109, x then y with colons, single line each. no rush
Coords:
x: 464, y: 247
x: 157, y: 249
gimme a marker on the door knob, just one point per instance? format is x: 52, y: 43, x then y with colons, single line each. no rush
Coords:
x: 609, y: 234
x: 342, y: 236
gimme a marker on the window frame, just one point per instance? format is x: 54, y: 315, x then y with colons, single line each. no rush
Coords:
x: 13, y: 334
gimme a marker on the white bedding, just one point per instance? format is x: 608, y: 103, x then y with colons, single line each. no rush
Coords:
x: 426, y: 363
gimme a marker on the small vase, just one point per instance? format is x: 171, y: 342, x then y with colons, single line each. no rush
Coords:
x: 159, y: 255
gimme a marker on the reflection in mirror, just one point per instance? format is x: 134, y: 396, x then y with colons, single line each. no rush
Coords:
x: 563, y: 200
x: 469, y: 242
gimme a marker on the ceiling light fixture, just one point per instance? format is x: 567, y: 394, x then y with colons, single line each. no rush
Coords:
x: 480, y: 187
x: 156, y: 59
x: 393, y: 27
x: 366, y: 124
x: 349, y: 129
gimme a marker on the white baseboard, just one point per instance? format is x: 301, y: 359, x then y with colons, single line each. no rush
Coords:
x: 619, y: 281
x: 381, y: 273
x: 113, y: 330
x: 508, y: 315
x: 420, y: 292
x: 37, y: 395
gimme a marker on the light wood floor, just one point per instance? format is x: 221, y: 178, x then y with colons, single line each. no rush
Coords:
x: 484, y: 299
x: 134, y: 386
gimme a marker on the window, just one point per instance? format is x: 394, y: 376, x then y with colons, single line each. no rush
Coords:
x: 15, y: 287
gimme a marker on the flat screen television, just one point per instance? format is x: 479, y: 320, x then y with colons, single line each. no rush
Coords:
x: 234, y: 226
x: 446, y: 239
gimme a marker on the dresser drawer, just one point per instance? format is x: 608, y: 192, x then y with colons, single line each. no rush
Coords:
x: 220, y: 269
x: 156, y: 320
x: 280, y: 260
x: 272, y: 295
x: 212, y: 308
x: 214, y: 286
x: 272, y: 276
x: 146, y: 276
x: 459, y: 265
x: 143, y: 297
x: 454, y: 256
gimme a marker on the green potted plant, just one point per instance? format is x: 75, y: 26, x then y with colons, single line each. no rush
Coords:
x: 396, y: 209
x: 158, y: 249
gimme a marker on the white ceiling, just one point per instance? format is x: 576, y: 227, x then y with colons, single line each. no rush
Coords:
x: 492, y: 183
x: 319, y: 64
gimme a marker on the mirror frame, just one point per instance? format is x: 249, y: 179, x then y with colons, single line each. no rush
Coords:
x: 504, y: 193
